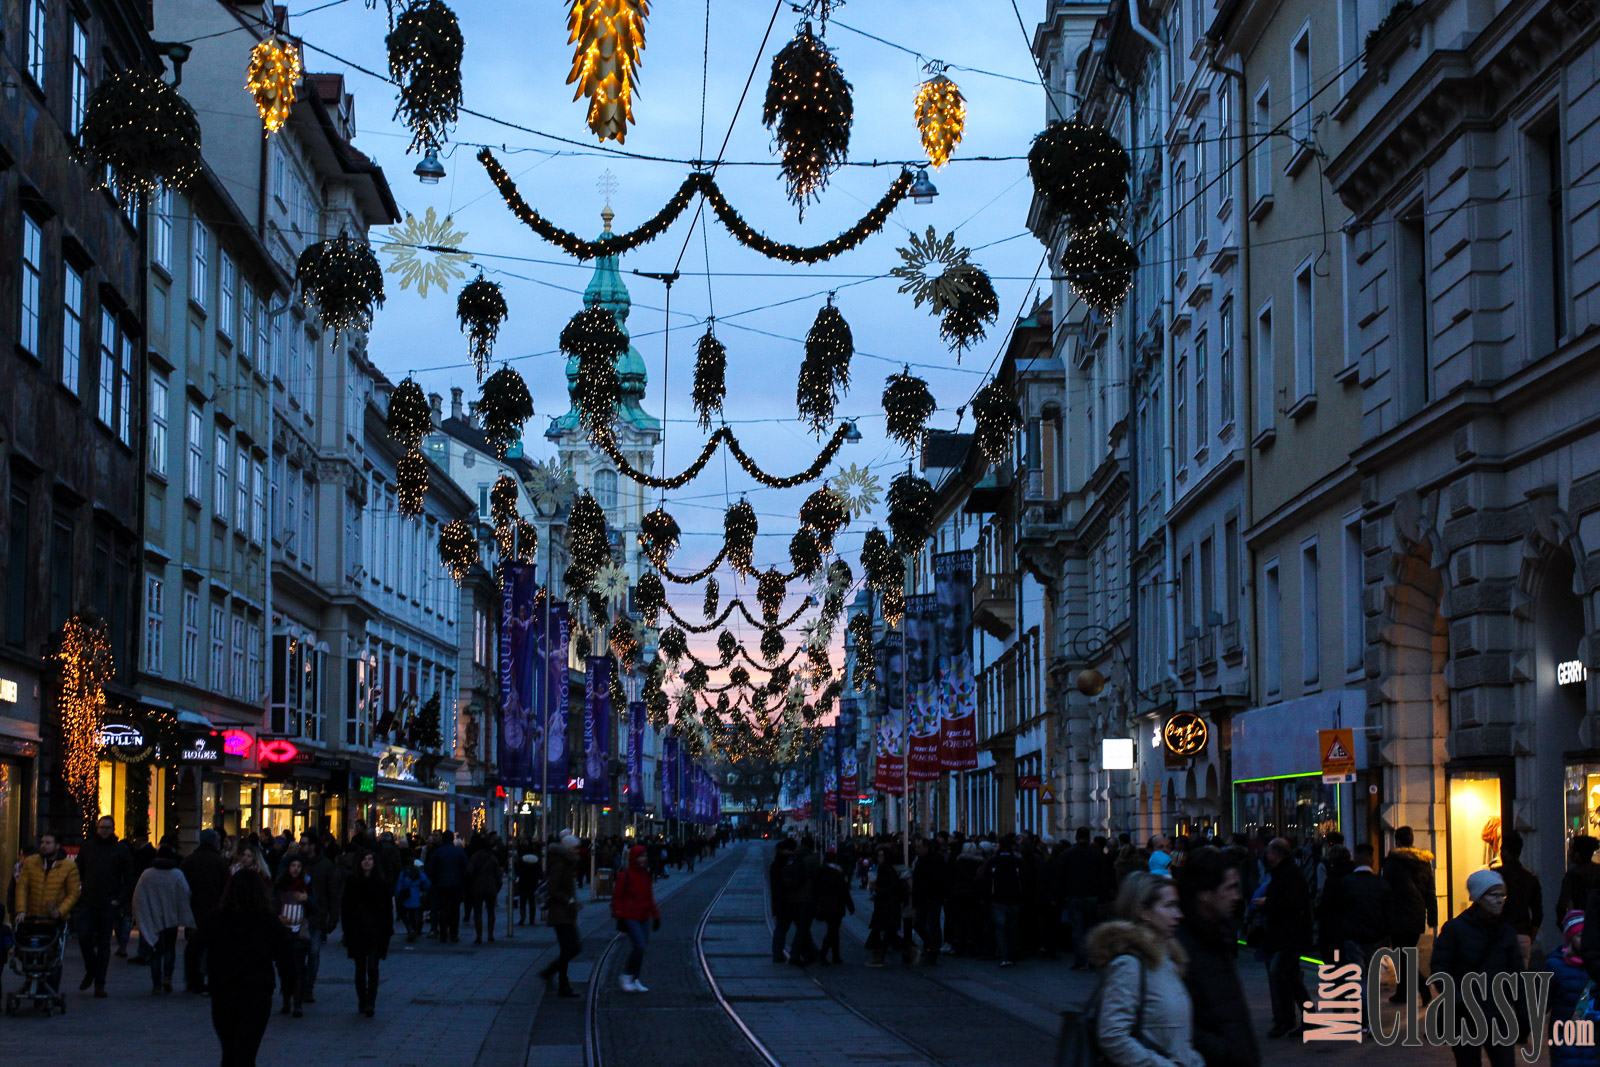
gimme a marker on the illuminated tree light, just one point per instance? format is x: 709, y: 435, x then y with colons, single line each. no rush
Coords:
x: 458, y: 549
x: 941, y: 113
x: 609, y: 35
x: 408, y: 418
x: 481, y: 308
x: 710, y: 374
x: 809, y: 104
x: 911, y: 511
x: 1081, y: 172
x: 825, y: 371
x: 504, y: 405
x: 1099, y: 266
x: 342, y: 278
x: 739, y: 529
x: 272, y: 80
x: 595, y: 338
x: 825, y: 512
x: 996, y: 416
x: 411, y: 483
x: 908, y: 404
x: 658, y: 535
x: 86, y: 666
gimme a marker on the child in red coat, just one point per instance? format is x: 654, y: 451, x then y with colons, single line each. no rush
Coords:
x: 633, y: 905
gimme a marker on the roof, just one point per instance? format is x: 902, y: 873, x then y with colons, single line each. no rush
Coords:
x: 472, y: 436
x: 352, y: 161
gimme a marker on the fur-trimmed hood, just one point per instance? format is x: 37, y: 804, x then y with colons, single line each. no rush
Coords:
x: 1118, y: 938
x: 1420, y: 855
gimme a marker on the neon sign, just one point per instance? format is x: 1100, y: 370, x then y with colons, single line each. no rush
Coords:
x: 237, y: 742
x: 1571, y: 672
x: 275, y: 751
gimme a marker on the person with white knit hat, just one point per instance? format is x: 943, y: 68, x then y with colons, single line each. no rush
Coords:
x: 1481, y: 941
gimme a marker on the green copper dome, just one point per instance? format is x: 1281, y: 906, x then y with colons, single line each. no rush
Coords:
x: 606, y: 289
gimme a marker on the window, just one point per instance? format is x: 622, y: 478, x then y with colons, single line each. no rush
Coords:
x: 225, y: 302
x: 247, y: 321
x: 1546, y: 220
x: 199, y: 271
x: 161, y: 228
x: 32, y: 277
x: 605, y: 490
x: 154, y: 624
x: 1225, y: 366
x: 236, y: 680
x: 1199, y: 195
x: 280, y: 170
x: 308, y: 521
x: 258, y: 508
x: 72, y: 331
x: 191, y: 636
x: 1310, y: 632
x: 1230, y: 553
x: 308, y: 397
x: 158, y: 425
x: 1208, y: 582
x: 61, y: 570
x: 219, y: 637
x: 193, y: 475
x: 483, y: 500
x: 219, y: 475
x: 277, y: 350
x: 241, y: 491
x: 1300, y: 86
x: 1180, y: 219
x: 1305, y: 342
x: 295, y: 384
x: 1354, y: 580
x: 37, y: 44
x: 1202, y: 401
x: 80, y: 73
x: 1180, y: 417
x: 1186, y: 585
x: 108, y: 368
x: 253, y: 669
x: 291, y: 512
x: 125, y: 392
x: 1261, y: 150
x: 1271, y: 635
x: 17, y: 570
x: 263, y: 327
x: 1265, y: 398
x: 1224, y: 142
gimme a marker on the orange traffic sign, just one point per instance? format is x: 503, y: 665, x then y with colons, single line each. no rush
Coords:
x: 1338, y: 749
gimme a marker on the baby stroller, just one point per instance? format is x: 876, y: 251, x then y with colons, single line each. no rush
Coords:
x: 37, y: 956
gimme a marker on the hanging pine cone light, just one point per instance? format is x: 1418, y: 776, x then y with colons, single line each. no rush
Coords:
x: 713, y: 599
x: 809, y: 102
x: 609, y: 35
x: 965, y: 317
x: 771, y: 588
x: 458, y: 549
x: 728, y: 646
x: 910, y: 511
x: 739, y: 530
x: 772, y: 643
x: 649, y: 596
x: 518, y: 540
x: 504, y: 405
x: 941, y: 117
x: 593, y: 336
x: 141, y: 131
x: 1099, y: 266
x: 503, y: 500
x: 587, y: 542
x: 409, y: 418
x: 343, y: 279
x: 411, y: 483
x: 710, y: 374
x: 273, y: 78
x: 425, y: 49
x: 825, y: 514
x: 996, y: 417
x: 481, y: 307
x: 1081, y: 172
x: 804, y: 553
x: 880, y: 561
x: 674, y: 643
x: 865, y: 675
x: 907, y: 403
x: 658, y: 536
x: 825, y: 371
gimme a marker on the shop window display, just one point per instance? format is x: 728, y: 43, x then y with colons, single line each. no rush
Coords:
x: 1475, y: 812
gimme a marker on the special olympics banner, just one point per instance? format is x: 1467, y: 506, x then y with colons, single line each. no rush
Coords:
x: 596, y: 729
x: 636, y: 716
x: 685, y: 784
x: 957, y: 700
x: 889, y: 774
x: 669, y: 778
x: 521, y: 733
x: 830, y: 769
x: 922, y: 687
x: 554, y: 708
x: 849, y: 724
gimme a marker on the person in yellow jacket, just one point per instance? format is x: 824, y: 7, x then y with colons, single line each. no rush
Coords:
x: 48, y: 887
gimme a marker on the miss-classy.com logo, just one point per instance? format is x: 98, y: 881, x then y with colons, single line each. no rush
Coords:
x: 1478, y: 1010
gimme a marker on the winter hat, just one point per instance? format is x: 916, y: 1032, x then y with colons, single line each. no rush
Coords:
x: 416, y: 863
x: 1480, y: 882
x: 568, y: 841
x: 969, y: 849
x: 1572, y: 930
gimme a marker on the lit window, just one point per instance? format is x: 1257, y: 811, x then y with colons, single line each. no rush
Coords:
x: 80, y: 73
x: 108, y: 368
x: 71, y: 326
x: 32, y: 274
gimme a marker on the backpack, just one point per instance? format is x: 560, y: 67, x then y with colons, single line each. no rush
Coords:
x: 1079, y: 1043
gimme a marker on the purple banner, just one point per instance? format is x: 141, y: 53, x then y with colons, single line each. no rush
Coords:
x: 596, y: 730
x: 636, y: 718
x: 669, y: 777
x: 522, y: 669
x: 555, y: 711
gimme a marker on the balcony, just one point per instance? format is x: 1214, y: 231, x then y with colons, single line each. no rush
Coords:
x: 1186, y: 659
x: 1205, y: 650
x: 994, y: 605
x: 1228, y: 638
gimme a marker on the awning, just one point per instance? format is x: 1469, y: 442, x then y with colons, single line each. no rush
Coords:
x: 412, y: 788
x: 1281, y: 739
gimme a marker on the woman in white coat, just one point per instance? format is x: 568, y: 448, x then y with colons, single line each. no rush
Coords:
x: 161, y: 905
x: 1145, y: 1018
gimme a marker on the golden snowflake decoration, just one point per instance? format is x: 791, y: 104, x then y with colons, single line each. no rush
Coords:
x: 611, y: 582
x: 420, y: 251
x: 552, y: 486
x: 934, y: 270
x: 857, y: 487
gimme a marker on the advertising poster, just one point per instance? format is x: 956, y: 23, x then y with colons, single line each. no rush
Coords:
x: 555, y: 683
x: 830, y: 769
x: 922, y: 687
x: 958, y: 705
x: 669, y: 778
x: 521, y: 733
x: 889, y: 772
x: 636, y: 717
x: 849, y: 725
x: 596, y: 729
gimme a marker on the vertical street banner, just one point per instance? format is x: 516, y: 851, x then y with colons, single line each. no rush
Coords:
x: 922, y: 687
x: 636, y: 717
x: 669, y: 778
x: 830, y: 769
x: 849, y: 725
x: 596, y: 729
x: 554, y: 709
x: 958, y: 704
x: 889, y: 772
x: 521, y: 733
x: 685, y: 784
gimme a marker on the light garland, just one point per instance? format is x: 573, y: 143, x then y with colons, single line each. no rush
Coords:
x: 141, y: 132
x: 996, y: 417
x: 911, y: 511
x: 272, y: 79
x: 504, y: 405
x: 86, y: 667
x: 908, y: 403
x: 481, y: 309
x: 342, y: 278
x: 710, y: 377
x: 870, y: 224
x: 941, y: 113
x: 408, y: 418
x: 425, y: 50
x: 739, y: 529
x: 609, y: 35
x: 1099, y: 266
x: 411, y: 483
x: 605, y: 440
x: 809, y: 103
x: 825, y: 371
x: 458, y: 549
x: 1081, y: 172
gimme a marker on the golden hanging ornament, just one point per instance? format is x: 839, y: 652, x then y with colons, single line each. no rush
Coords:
x: 941, y: 117
x: 86, y: 666
x: 273, y: 78
x: 609, y: 35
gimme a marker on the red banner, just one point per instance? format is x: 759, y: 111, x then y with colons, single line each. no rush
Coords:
x: 957, y: 686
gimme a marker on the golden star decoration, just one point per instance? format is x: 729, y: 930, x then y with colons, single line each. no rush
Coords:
x: 857, y: 487
x: 422, y: 252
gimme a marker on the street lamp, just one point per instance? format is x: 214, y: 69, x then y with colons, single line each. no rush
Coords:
x: 852, y: 436
x: 430, y: 170
x: 922, y: 188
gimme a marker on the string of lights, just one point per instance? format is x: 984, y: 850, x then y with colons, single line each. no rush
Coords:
x: 606, y: 442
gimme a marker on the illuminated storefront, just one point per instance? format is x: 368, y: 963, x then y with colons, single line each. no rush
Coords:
x: 1278, y: 788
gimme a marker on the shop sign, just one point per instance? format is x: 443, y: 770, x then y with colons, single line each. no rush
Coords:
x: 1186, y: 734
x: 237, y: 743
x: 1116, y: 753
x: 1028, y: 781
x: 574, y: 784
x: 366, y: 783
x: 122, y: 740
x: 8, y: 691
x: 206, y: 749
x: 1047, y: 795
x: 1338, y: 749
x: 1571, y: 672
x: 277, y: 750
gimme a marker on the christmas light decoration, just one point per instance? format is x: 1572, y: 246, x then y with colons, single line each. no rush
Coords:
x: 809, y: 102
x: 593, y: 336
x: 426, y: 252
x: 739, y: 530
x: 772, y: 644
x: 625, y: 646
x: 712, y: 598
x: 458, y: 549
x: 804, y: 553
x: 604, y: 440
x: 857, y: 487
x: 518, y: 541
x: 581, y: 643
x: 870, y: 224
x: 341, y: 277
x: 996, y: 417
x: 658, y: 536
x: 824, y: 513
x: 587, y: 542
x: 481, y: 308
x: 825, y: 371
x: 609, y: 35
x: 551, y: 486
x: 674, y: 643
x: 648, y: 597
x: 503, y: 504
x: 411, y: 483
x: 941, y: 113
x: 771, y: 588
x: 710, y: 371
x: 728, y: 645
x: 964, y: 320
x: 738, y: 678
x: 936, y: 272
x: 821, y: 666
x: 425, y: 49
x: 1099, y: 266
x: 610, y: 584
x: 141, y: 132
x: 409, y: 418
x: 86, y: 667
x: 908, y: 403
x: 866, y: 668
x: 1081, y: 172
x: 273, y: 77
x: 881, y: 561
x: 911, y: 511
x: 504, y: 405
x: 894, y: 604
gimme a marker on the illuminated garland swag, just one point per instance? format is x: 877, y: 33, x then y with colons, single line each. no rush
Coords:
x: 703, y: 183
x: 604, y: 440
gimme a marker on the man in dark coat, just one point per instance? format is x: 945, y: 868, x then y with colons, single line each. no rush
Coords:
x: 777, y: 886
x: 927, y: 898
x: 1286, y: 905
x: 206, y: 871
x: 447, y: 871
x: 1210, y: 889
x: 1365, y: 902
x: 1524, y: 908
x: 327, y: 889
x: 1001, y: 885
x: 802, y: 885
x: 1082, y: 874
x: 105, y: 867
x: 1415, y: 904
